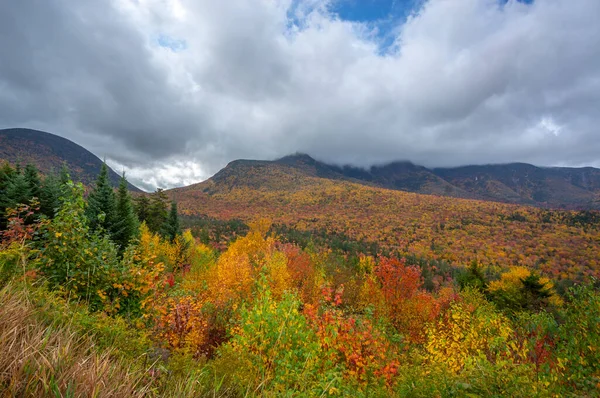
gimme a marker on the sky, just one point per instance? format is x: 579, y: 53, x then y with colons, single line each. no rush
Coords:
x: 172, y: 90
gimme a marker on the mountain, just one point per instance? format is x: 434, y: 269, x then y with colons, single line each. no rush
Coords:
x: 518, y: 183
x: 565, y: 187
x: 49, y: 152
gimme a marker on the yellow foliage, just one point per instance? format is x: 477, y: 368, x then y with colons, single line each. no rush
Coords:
x: 471, y: 330
x: 233, y: 275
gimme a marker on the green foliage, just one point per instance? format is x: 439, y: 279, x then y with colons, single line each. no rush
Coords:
x: 275, y: 348
x: 82, y: 263
x: 142, y: 208
x: 18, y: 190
x: 50, y: 195
x: 126, y: 225
x: 472, y: 277
x: 171, y: 228
x: 157, y: 211
x: 578, y: 350
x: 101, y: 208
x: 7, y: 175
x: 32, y: 178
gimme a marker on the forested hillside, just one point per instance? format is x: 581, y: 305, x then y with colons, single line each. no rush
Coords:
x: 49, y: 152
x: 561, y: 244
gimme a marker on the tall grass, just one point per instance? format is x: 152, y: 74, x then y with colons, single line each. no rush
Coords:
x: 52, y: 348
x: 40, y: 360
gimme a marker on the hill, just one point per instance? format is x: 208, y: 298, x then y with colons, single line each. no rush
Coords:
x: 292, y: 192
x: 48, y: 152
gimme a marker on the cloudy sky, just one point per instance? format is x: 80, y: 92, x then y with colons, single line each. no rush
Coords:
x: 172, y: 90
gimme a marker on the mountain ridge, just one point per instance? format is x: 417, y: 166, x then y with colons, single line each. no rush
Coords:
x: 516, y: 183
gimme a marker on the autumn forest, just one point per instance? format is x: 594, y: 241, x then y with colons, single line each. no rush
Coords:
x: 272, y: 282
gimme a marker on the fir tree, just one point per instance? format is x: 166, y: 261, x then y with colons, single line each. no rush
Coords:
x: 50, y: 195
x: 127, y: 224
x: 64, y: 176
x: 7, y: 175
x: 32, y: 178
x: 101, y: 203
x: 158, y: 210
x: 142, y: 208
x: 171, y: 227
x: 18, y: 190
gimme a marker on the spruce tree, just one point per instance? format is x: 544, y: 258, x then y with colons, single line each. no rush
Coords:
x: 7, y: 175
x: 157, y: 211
x: 32, y: 178
x: 142, y: 208
x: 64, y: 176
x: 171, y: 227
x: 50, y: 195
x: 18, y: 190
x: 126, y: 224
x: 101, y: 203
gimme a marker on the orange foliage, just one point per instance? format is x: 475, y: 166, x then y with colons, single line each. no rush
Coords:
x: 408, y: 306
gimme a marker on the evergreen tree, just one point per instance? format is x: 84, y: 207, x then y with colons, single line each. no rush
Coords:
x: 157, y: 211
x: 535, y: 293
x: 32, y: 178
x: 7, y: 175
x: 18, y: 190
x: 127, y: 224
x: 171, y: 227
x: 50, y: 195
x: 101, y: 203
x: 142, y: 208
x: 64, y: 176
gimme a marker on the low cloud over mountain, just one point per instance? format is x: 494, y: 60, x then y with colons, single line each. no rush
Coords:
x: 171, y: 90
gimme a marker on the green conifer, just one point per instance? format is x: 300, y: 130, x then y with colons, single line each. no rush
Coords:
x: 32, y: 178
x: 50, y: 195
x: 171, y: 227
x: 142, y: 208
x: 18, y: 190
x: 101, y: 203
x: 64, y: 176
x: 7, y: 175
x: 126, y: 224
x: 158, y: 212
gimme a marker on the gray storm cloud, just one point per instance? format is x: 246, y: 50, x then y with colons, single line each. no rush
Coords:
x: 171, y: 90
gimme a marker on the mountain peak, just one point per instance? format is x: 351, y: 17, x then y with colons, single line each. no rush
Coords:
x: 297, y: 158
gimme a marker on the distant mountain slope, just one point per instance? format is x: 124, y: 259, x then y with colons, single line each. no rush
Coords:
x: 523, y: 183
x: 48, y: 152
x: 452, y: 229
x: 517, y: 183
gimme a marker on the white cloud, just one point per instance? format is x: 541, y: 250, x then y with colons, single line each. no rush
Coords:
x: 466, y: 81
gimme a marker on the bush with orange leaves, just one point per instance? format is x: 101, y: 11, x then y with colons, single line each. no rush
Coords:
x: 363, y: 351
x: 408, y: 307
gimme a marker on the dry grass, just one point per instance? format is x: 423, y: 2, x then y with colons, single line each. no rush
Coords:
x: 37, y: 360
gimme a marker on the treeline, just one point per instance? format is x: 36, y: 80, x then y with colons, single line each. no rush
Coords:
x: 107, y: 211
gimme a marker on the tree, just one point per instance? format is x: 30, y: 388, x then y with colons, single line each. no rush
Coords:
x: 18, y: 190
x: 7, y: 175
x: 64, y: 176
x: 101, y: 203
x: 50, y: 195
x: 32, y: 178
x: 157, y: 211
x: 142, y: 208
x: 171, y: 227
x: 126, y: 225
